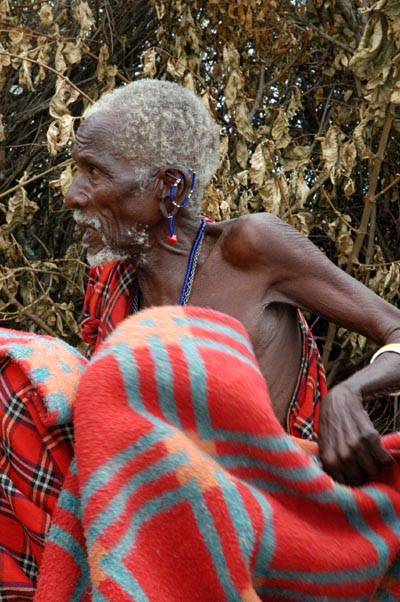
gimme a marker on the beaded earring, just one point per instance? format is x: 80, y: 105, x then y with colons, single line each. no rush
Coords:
x: 171, y: 238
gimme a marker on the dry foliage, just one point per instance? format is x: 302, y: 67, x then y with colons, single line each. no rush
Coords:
x: 55, y: 57
x: 306, y: 94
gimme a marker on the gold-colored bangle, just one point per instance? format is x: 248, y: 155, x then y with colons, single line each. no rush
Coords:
x: 394, y: 348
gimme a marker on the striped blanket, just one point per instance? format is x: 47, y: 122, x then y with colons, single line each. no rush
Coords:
x: 185, y: 488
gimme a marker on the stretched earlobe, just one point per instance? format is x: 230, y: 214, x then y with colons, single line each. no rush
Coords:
x: 175, y: 186
x: 173, y: 190
x: 171, y: 238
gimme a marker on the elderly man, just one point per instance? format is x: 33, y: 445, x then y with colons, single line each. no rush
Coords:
x: 145, y: 153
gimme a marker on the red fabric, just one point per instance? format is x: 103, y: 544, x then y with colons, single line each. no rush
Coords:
x: 303, y: 412
x: 108, y: 300
x: 36, y: 450
x: 187, y: 488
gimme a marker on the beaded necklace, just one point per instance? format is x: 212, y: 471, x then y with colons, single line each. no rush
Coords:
x: 190, y: 271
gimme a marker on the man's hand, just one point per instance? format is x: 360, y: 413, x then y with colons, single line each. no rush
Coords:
x: 350, y: 447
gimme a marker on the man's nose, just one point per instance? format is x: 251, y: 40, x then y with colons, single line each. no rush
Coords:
x: 76, y: 195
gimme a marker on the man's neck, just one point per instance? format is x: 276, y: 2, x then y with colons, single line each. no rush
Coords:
x: 161, y: 271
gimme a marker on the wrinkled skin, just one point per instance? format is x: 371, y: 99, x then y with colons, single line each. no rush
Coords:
x: 257, y: 269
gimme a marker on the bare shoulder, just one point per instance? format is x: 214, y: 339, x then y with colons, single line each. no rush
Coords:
x: 258, y: 238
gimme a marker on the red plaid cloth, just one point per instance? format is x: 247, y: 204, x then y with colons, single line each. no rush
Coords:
x: 303, y: 414
x: 108, y: 301
x: 36, y: 450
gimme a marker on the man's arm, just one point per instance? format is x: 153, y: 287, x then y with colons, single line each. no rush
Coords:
x: 298, y: 273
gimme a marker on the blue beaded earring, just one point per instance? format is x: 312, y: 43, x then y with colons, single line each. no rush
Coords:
x: 171, y: 238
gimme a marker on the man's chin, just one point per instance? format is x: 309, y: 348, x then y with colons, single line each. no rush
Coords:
x: 103, y: 256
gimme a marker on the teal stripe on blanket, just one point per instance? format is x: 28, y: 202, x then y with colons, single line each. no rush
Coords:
x: 190, y: 491
x: 71, y: 546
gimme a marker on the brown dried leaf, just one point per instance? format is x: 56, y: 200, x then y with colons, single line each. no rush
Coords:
x: 161, y: 10
x: 360, y: 134
x: 110, y: 74
x: 46, y: 15
x: 25, y: 73
x: 26, y: 290
x: 5, y: 58
x: 211, y: 202
x: 364, y: 62
x: 299, y: 188
x: 102, y: 64
x: 64, y: 181
x: 16, y: 36
x: 64, y: 95
x: 73, y: 52
x: 188, y: 82
x: 302, y: 221
x: 258, y: 167
x: 242, y: 121
x: 295, y: 103
x: 340, y: 233
x: 279, y: 130
x: 43, y: 58
x: 241, y: 152
x: 231, y: 57
x: 395, y: 94
x: 4, y: 9
x: 59, y: 61
x: 294, y: 157
x: 330, y: 148
x: 83, y: 16
x: 149, y: 63
x: 232, y: 89
x: 59, y: 133
x: 176, y: 68
x: 271, y: 195
x: 19, y: 209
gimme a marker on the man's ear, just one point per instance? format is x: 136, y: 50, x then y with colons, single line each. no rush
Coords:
x: 176, y: 183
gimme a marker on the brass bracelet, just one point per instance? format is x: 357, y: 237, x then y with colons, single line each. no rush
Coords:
x: 394, y: 348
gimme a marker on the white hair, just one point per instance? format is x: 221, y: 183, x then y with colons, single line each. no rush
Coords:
x: 157, y: 123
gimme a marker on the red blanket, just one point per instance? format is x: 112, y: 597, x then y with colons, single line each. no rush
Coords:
x: 187, y: 489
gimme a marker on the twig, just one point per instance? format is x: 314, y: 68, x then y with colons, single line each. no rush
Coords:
x: 320, y: 182
x: 44, y: 66
x: 281, y: 187
x: 337, y: 212
x: 370, y: 197
x: 38, y: 321
x: 171, y: 56
x: 324, y: 35
x: 388, y: 187
x: 15, y: 6
x: 260, y: 91
x: 33, y: 178
x: 275, y: 79
x: 51, y: 39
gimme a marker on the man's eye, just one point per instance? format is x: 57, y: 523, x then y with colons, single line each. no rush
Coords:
x: 93, y: 169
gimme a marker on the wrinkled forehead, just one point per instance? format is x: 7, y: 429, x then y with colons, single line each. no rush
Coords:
x: 96, y: 130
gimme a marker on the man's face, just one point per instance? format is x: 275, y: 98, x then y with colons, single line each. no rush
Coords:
x: 106, y: 197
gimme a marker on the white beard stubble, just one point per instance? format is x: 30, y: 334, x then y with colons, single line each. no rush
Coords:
x: 109, y: 254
